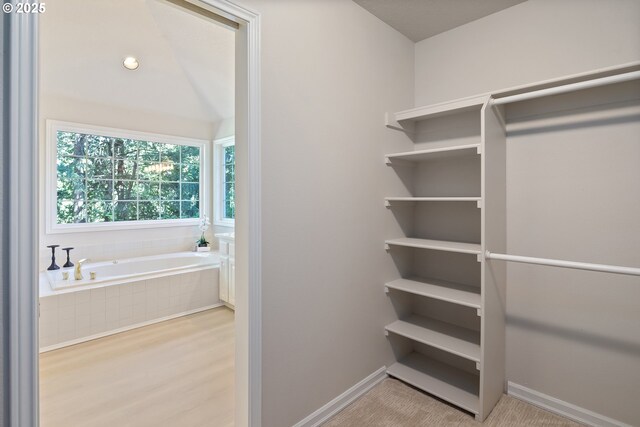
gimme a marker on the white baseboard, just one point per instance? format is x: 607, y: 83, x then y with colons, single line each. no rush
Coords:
x: 340, y: 402
x: 561, y: 407
x: 127, y: 328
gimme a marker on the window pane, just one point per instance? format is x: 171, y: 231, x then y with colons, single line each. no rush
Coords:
x: 170, y: 191
x: 170, y: 210
x: 125, y: 211
x: 148, y: 210
x: 148, y: 190
x: 125, y: 149
x: 229, y: 191
x: 70, y: 144
x: 149, y: 151
x: 229, y: 154
x: 170, y: 153
x: 191, y: 173
x: 149, y: 171
x: 229, y: 209
x: 190, y: 209
x: 99, y: 168
x: 70, y: 189
x: 190, y: 191
x: 99, y: 146
x: 99, y: 211
x: 125, y: 190
x: 170, y: 171
x: 126, y: 169
x: 71, y: 211
x: 229, y: 173
x: 71, y: 168
x: 190, y: 154
x: 99, y: 190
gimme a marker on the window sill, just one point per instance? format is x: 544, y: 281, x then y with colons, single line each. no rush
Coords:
x: 124, y: 225
x: 230, y: 223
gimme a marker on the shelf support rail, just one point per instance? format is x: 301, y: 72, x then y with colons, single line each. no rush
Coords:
x: 571, y: 87
x: 631, y: 271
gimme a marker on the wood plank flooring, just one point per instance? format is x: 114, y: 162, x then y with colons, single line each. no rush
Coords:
x: 175, y: 373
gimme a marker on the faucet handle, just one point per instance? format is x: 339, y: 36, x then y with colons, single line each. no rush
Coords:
x: 82, y: 261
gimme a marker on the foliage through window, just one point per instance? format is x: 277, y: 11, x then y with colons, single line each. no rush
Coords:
x: 229, y: 182
x: 103, y: 179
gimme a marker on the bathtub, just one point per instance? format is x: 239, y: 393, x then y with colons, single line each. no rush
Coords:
x: 126, y: 294
x: 127, y: 270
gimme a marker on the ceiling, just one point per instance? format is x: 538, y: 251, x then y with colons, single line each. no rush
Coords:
x: 186, y: 61
x: 421, y: 19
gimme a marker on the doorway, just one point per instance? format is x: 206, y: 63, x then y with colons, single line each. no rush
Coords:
x: 23, y: 310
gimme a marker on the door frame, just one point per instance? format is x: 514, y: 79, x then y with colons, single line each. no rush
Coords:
x: 23, y: 290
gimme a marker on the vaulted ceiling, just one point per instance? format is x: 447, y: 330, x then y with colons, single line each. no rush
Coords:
x: 421, y: 19
x: 186, y: 61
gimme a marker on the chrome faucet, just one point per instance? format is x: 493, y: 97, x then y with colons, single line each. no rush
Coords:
x: 77, y: 273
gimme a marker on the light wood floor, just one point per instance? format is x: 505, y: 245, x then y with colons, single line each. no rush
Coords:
x: 175, y: 373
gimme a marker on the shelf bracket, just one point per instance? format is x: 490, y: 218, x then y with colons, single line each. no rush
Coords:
x: 477, y: 366
x: 387, y: 204
x: 391, y: 123
x: 386, y: 290
x: 479, y: 257
x: 479, y: 149
x: 479, y: 204
x: 387, y: 247
x: 386, y: 333
x: 479, y: 312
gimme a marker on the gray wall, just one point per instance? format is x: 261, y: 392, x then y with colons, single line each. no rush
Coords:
x: 573, y: 191
x: 329, y: 72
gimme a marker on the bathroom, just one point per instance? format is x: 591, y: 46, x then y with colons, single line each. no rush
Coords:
x: 138, y: 198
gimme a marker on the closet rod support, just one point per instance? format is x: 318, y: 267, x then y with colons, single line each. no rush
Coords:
x: 604, y: 268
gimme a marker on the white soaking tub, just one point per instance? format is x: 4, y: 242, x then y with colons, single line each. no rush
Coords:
x: 126, y: 294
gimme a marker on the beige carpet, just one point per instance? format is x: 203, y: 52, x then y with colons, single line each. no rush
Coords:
x: 392, y: 403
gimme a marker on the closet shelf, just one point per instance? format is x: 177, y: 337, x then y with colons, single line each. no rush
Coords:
x: 455, y: 293
x: 431, y: 199
x: 442, y: 109
x: 448, y: 337
x: 441, y: 380
x: 438, y: 245
x: 432, y: 153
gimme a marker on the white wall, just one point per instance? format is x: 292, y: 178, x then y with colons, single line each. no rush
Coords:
x: 572, y: 193
x: 329, y: 72
x: 535, y: 40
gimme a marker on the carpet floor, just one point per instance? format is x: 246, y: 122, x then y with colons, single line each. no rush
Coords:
x: 392, y: 403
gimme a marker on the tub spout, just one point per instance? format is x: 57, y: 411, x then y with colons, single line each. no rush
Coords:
x: 77, y: 274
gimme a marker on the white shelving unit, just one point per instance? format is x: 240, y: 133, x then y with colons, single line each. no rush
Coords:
x: 451, y: 326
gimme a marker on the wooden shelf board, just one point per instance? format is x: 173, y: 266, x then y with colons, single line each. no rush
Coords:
x: 439, y: 245
x: 442, y: 109
x: 434, y: 153
x: 433, y: 199
x: 451, y: 338
x: 439, y: 379
x: 455, y: 293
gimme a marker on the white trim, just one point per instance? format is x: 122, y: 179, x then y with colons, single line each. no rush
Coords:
x: 339, y: 403
x: 128, y: 328
x: 22, y: 215
x: 52, y: 227
x: 218, y: 181
x: 561, y: 407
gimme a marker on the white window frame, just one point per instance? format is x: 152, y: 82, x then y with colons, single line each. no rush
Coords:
x: 51, y: 196
x: 218, y: 174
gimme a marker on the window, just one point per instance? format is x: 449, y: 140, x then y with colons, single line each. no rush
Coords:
x: 225, y: 176
x: 110, y: 178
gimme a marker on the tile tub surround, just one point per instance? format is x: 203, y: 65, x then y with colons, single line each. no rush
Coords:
x: 72, y: 317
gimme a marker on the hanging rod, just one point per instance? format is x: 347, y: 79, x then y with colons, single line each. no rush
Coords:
x: 619, y: 78
x: 631, y: 271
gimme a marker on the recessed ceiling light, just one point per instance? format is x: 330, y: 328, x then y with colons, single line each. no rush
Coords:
x: 130, y: 63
